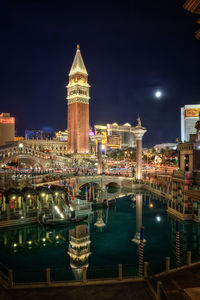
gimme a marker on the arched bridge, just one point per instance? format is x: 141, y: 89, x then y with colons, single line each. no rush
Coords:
x: 101, y: 181
x: 23, y: 151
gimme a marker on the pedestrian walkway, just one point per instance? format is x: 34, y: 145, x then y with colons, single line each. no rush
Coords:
x: 125, y: 291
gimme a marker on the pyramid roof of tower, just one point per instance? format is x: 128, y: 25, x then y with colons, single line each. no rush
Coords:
x: 78, y: 65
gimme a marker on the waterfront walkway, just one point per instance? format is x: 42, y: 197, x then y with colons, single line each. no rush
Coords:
x: 125, y: 291
x: 177, y: 284
x: 182, y: 284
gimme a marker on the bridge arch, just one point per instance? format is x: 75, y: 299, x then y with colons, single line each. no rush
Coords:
x: 27, y: 158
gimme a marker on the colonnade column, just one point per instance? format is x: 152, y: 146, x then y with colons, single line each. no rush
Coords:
x: 99, y: 154
x: 139, y: 131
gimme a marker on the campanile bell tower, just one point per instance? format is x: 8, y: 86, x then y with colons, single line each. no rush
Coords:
x: 78, y: 106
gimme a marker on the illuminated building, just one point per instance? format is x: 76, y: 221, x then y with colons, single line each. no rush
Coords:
x: 78, y: 107
x: 39, y: 134
x: 187, y: 178
x: 116, y: 136
x: 125, y: 132
x: 62, y: 136
x: 171, y: 146
x: 18, y: 138
x: 114, y: 141
x: 51, y: 147
x: 189, y: 116
x: 7, y: 128
x: 193, y: 6
x: 79, y: 249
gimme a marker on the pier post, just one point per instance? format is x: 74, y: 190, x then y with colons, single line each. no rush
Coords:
x: 10, y: 278
x: 84, y: 274
x: 146, y: 269
x: 24, y: 207
x: 93, y: 195
x: 8, y: 209
x: 189, y: 258
x: 141, y: 251
x: 48, y: 276
x: 90, y: 192
x: 120, y: 272
x: 177, y: 244
x: 159, y: 283
x: 86, y: 194
x: 167, y: 264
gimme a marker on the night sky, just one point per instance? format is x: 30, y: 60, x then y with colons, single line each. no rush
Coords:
x: 130, y: 49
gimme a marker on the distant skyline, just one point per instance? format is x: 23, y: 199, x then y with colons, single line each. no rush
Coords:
x: 131, y: 49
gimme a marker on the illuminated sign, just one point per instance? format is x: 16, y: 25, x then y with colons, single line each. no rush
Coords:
x: 7, y: 120
x: 91, y: 133
x: 192, y: 112
x: 114, y: 141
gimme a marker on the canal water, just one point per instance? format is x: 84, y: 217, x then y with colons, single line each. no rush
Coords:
x: 29, y: 250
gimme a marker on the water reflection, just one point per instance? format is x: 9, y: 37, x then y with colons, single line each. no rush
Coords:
x: 79, y: 249
x: 138, y: 200
x: 30, y: 237
x: 100, y: 222
x: 36, y: 246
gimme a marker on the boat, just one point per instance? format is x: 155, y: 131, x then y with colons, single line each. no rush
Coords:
x: 55, y: 223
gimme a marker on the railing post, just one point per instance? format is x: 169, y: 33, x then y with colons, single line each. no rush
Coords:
x: 120, y: 272
x: 146, y: 269
x: 84, y: 274
x: 48, y: 276
x: 189, y: 258
x: 10, y: 277
x: 167, y: 264
x: 159, y: 283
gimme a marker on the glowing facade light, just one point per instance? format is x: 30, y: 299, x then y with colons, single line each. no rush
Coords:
x: 151, y: 205
x: 158, y: 218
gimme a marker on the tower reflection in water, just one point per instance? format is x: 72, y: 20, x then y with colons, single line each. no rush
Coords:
x: 79, y: 249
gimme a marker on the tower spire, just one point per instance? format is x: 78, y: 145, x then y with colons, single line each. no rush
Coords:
x: 78, y: 65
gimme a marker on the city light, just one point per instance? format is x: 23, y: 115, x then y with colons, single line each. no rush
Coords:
x: 158, y: 218
x: 151, y: 205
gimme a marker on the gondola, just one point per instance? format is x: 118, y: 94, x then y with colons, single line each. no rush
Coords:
x: 59, y: 223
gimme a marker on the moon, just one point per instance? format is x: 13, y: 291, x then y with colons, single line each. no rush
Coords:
x: 158, y: 94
